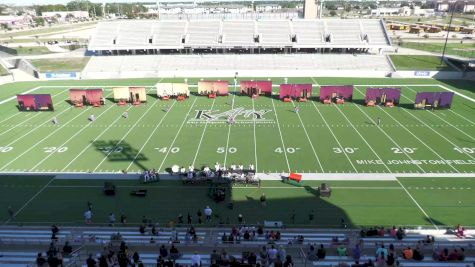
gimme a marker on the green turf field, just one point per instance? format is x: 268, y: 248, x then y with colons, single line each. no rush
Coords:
x: 318, y: 139
x: 417, y: 62
x: 463, y: 50
x: 60, y: 64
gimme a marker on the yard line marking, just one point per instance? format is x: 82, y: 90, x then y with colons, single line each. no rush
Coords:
x: 150, y: 136
x: 177, y: 134
x: 417, y: 204
x: 280, y: 133
x: 364, y: 139
x: 46, y: 137
x: 67, y: 141
x: 229, y: 128
x: 417, y: 138
x: 433, y: 113
x: 29, y: 201
x: 201, y: 138
x: 92, y: 142
x: 254, y: 130
x: 125, y: 135
x: 455, y: 92
x: 336, y: 139
x: 14, y: 97
x: 32, y: 117
x: 389, y: 137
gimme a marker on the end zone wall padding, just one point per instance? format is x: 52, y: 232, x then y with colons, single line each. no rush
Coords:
x: 142, y: 94
x: 263, y: 87
x: 295, y: 90
x: 77, y: 95
x: 121, y: 93
x: 172, y: 89
x: 94, y: 96
x: 375, y: 94
x: 444, y: 98
x: 345, y: 91
x: 218, y: 87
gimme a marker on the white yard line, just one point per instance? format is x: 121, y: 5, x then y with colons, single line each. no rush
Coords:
x: 229, y: 129
x: 334, y: 136
x: 14, y: 97
x: 280, y: 133
x: 32, y: 117
x: 150, y: 136
x: 93, y: 141
x: 433, y: 113
x: 410, y: 132
x: 364, y: 139
x: 71, y: 138
x: 389, y: 137
x: 177, y: 134
x: 40, y: 141
x: 255, y: 139
x: 201, y: 138
x: 30, y: 200
x: 125, y: 135
x: 417, y: 204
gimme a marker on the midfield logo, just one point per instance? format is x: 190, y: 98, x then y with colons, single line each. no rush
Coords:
x: 239, y: 115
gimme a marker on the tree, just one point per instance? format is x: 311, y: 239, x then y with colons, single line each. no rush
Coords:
x: 39, y: 21
x: 333, y: 13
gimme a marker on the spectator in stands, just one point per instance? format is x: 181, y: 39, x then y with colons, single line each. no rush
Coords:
x: 11, y: 213
x: 240, y: 218
x: 272, y: 254
x: 199, y: 214
x: 208, y: 211
x: 443, y: 255
x: 67, y: 248
x: 195, y: 260
x: 282, y: 254
x: 417, y: 254
x: 111, y: 219
x: 252, y: 259
x: 391, y: 260
x: 356, y: 253
x: 174, y: 253
x: 263, y: 255
x: 189, y: 218
x: 136, y: 257
x: 400, y: 234
x: 123, y: 219
x: 142, y: 229
x: 154, y: 230
x: 321, y: 253
x: 380, y: 260
x: 408, y: 253
x: 288, y: 261
x: 40, y: 260
x: 214, y: 256
x: 382, y: 250
x: 393, y: 231
x: 341, y: 251
x: 312, y: 254
x: 180, y: 218
x: 91, y: 262
x: 459, y: 231
x: 429, y: 239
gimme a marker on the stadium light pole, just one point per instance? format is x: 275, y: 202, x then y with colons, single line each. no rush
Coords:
x: 448, y: 30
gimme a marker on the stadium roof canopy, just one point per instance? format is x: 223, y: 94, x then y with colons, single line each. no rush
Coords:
x: 239, y: 34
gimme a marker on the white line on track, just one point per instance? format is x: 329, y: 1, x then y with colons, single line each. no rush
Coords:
x: 93, y: 141
x: 364, y: 139
x: 71, y: 138
x: 125, y: 135
x: 150, y: 136
x: 178, y: 133
x: 280, y: 133
x: 389, y: 137
x: 44, y: 138
x: 229, y: 128
x: 334, y: 136
x: 201, y: 138
x: 417, y: 204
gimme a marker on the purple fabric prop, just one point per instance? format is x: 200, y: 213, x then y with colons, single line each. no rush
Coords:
x: 265, y: 87
x: 375, y: 94
x: 345, y: 91
x: 35, y: 101
x: 444, y: 98
x: 296, y: 90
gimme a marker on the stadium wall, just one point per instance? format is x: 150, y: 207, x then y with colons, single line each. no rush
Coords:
x: 444, y: 75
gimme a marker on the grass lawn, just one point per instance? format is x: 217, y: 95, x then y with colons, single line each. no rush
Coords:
x: 33, y: 50
x: 60, y: 64
x: 456, y: 49
x: 459, y: 19
x: 416, y: 62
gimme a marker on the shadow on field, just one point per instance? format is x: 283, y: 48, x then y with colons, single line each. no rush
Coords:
x: 115, y: 150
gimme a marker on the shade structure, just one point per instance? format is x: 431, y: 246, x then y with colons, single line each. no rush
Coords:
x: 383, y: 95
x: 256, y: 87
x: 138, y: 94
x: 217, y: 87
x: 121, y: 93
x: 336, y: 91
x: 303, y: 90
x: 172, y: 89
x: 434, y: 99
x: 35, y: 102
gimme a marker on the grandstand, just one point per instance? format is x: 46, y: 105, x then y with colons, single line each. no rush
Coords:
x: 161, y: 36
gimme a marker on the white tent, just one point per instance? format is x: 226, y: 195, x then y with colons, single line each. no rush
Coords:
x: 172, y: 89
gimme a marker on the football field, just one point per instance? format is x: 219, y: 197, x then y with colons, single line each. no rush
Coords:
x: 268, y: 133
x: 430, y: 155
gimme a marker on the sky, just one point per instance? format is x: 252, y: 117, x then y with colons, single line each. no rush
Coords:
x: 44, y: 2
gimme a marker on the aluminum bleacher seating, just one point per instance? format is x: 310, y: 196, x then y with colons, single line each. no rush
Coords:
x: 134, y: 237
x: 376, y: 36
x: 20, y: 258
x: 15, y: 235
x: 204, y: 33
x: 134, y: 34
x: 168, y: 34
x: 309, y: 32
x: 272, y: 33
x: 238, y: 33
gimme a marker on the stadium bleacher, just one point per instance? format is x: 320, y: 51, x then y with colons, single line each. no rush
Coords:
x: 238, y: 33
x: 309, y: 33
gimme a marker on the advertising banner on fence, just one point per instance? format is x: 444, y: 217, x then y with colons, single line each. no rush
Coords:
x: 61, y: 75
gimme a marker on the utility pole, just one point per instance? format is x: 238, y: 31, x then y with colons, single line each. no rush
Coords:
x: 448, y: 32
